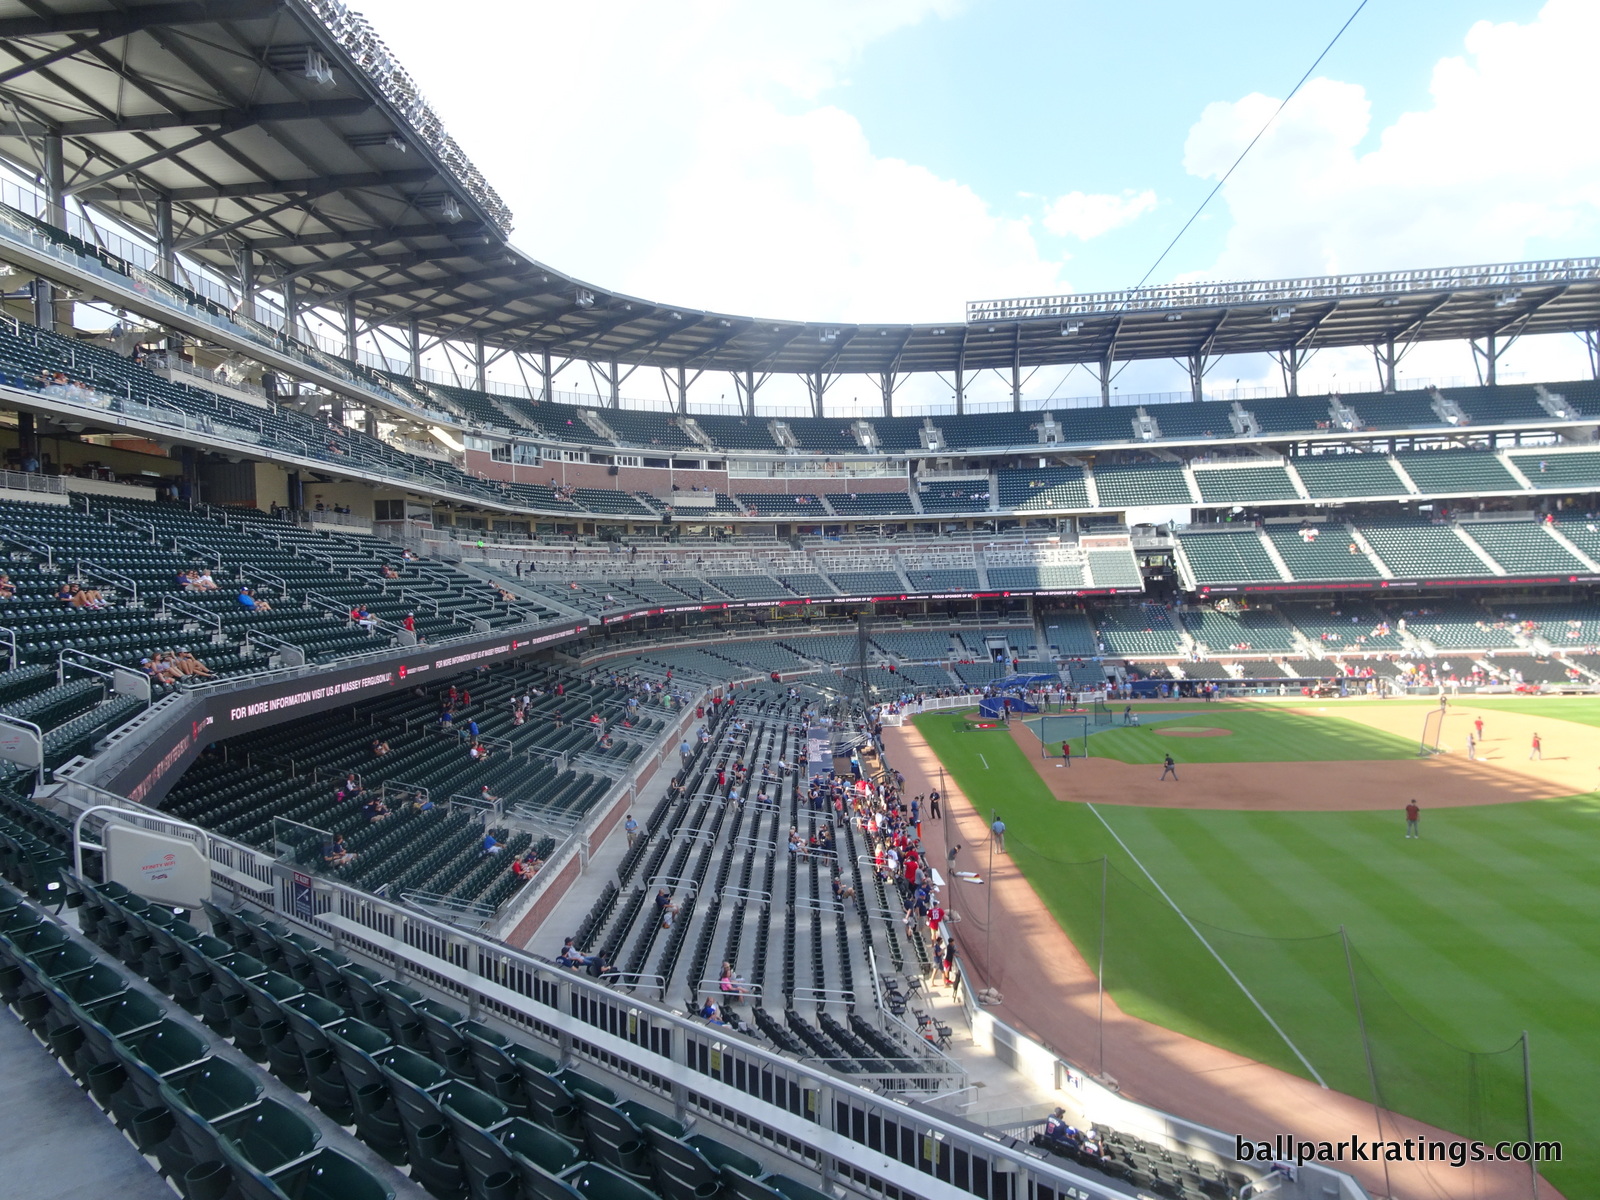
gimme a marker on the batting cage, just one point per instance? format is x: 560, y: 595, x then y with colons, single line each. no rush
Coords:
x: 1054, y: 729
x: 1102, y: 713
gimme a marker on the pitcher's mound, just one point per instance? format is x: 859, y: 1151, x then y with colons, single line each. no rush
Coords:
x: 1192, y: 731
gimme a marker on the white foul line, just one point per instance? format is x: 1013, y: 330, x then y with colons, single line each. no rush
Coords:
x: 985, y: 762
x: 1276, y: 1027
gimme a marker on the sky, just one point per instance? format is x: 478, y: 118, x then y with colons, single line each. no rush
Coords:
x: 889, y: 160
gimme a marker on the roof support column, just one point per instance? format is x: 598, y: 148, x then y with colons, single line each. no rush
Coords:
x: 613, y: 373
x: 290, y: 328
x: 55, y: 183
x: 817, y: 385
x: 1197, y: 377
x: 745, y: 387
x: 1102, y: 370
x: 1486, y: 357
x: 681, y: 386
x: 1290, y: 360
x: 350, y: 331
x: 1591, y: 343
x: 546, y: 377
x: 480, y: 365
x: 1016, y: 369
x: 961, y: 381
x: 291, y: 310
x: 414, y: 337
x: 165, y: 258
x: 1387, y: 361
x: 886, y: 385
x: 247, y: 282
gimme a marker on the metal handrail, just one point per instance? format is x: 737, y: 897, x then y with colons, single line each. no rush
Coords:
x: 28, y: 542
x: 95, y: 570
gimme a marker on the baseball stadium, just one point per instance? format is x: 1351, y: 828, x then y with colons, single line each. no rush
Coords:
x: 419, y: 778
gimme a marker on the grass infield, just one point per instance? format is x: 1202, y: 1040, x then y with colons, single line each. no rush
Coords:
x: 1255, y: 735
x: 1481, y: 929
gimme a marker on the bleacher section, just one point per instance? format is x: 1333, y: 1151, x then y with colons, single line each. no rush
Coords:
x: 1250, y: 631
x: 1088, y: 425
x: 121, y: 385
x: 1345, y: 627
x: 1129, y: 486
x: 1400, y: 410
x: 864, y: 583
x: 991, y: 429
x: 1244, y: 485
x: 1071, y: 634
x: 1043, y: 575
x: 749, y: 587
x: 1205, y: 420
x: 944, y: 580
x: 1330, y: 476
x: 1327, y: 556
x: 967, y: 495
x: 1114, y: 568
x: 1234, y: 557
x: 1460, y: 625
x: 1043, y: 487
x: 778, y: 504
x: 1144, y: 630
x: 738, y: 433
x: 1577, y: 470
x: 126, y: 544
x: 1415, y: 550
x: 865, y: 504
x: 295, y: 772
x: 1457, y: 472
x: 1523, y: 547
x: 914, y: 646
x: 650, y: 430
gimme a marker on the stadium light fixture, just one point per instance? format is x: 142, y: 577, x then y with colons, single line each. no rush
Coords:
x: 1282, y: 313
x: 584, y: 299
x: 1070, y: 327
x: 317, y: 70
x: 1507, y: 299
x: 449, y: 209
x: 1392, y: 302
x: 1174, y: 316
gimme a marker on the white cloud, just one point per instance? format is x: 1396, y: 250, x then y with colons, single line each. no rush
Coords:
x: 1088, y: 215
x: 679, y: 152
x: 1491, y: 171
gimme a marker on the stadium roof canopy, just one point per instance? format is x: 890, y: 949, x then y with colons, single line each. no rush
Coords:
x: 283, y: 134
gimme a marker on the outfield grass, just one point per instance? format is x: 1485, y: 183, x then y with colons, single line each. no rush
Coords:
x: 1483, y: 928
x: 1254, y: 735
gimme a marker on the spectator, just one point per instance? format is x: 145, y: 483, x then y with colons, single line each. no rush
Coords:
x: 490, y: 845
x: 665, y: 908
x: 334, y: 853
x: 573, y: 957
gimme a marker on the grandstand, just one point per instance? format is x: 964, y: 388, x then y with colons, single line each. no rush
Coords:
x: 410, y: 645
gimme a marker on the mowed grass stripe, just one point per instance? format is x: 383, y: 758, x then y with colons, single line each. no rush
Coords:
x: 1483, y: 928
x: 1263, y: 735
